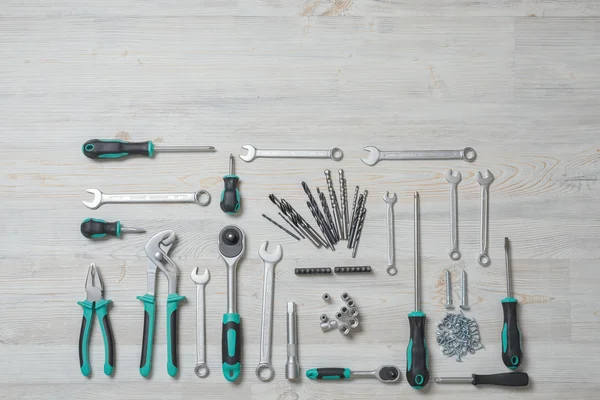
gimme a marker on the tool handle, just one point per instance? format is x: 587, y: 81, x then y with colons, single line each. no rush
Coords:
x: 505, y: 379
x: 172, y: 304
x: 148, y: 335
x: 512, y: 354
x: 231, y: 346
x: 417, y: 369
x: 93, y: 228
x: 230, y: 196
x: 113, y: 148
x: 328, y: 373
x: 84, y: 337
x: 107, y: 336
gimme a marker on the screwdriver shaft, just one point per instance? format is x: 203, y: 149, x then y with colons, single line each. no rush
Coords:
x: 132, y: 230
x: 180, y: 149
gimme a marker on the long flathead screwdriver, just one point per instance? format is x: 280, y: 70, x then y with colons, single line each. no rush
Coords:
x: 114, y: 148
x: 512, y: 354
x: 505, y: 379
x: 93, y: 228
x: 230, y: 196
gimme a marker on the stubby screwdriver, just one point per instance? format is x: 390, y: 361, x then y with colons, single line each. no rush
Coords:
x: 505, y: 379
x: 230, y: 197
x: 512, y: 354
x: 114, y: 148
x: 93, y: 228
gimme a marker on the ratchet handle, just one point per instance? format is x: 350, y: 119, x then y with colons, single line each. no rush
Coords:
x: 417, y: 369
x: 505, y: 379
x: 84, y: 337
x: 172, y: 304
x: 107, y: 336
x: 328, y: 373
x: 148, y: 335
x: 93, y: 228
x: 231, y: 346
x: 113, y: 148
x: 512, y: 354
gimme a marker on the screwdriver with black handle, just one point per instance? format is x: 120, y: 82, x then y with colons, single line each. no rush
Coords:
x: 115, y: 148
x: 93, y: 228
x: 230, y: 196
x: 512, y: 354
x: 506, y: 379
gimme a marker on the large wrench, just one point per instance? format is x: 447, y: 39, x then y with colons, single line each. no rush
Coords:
x: 467, y: 154
x: 484, y: 259
x: 391, y: 259
x: 201, y: 197
x: 264, y: 370
x: 335, y: 153
x: 201, y: 368
x: 454, y: 180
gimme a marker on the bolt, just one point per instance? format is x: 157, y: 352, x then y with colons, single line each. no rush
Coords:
x: 464, y: 300
x: 449, y: 305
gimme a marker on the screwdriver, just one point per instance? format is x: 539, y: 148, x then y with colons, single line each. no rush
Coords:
x: 512, y: 355
x: 230, y: 196
x: 93, y: 228
x: 114, y: 148
x: 505, y: 379
x: 417, y: 369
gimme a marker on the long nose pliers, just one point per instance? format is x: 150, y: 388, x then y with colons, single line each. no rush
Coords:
x: 95, y: 301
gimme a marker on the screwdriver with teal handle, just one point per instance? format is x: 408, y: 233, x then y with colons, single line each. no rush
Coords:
x: 93, y: 228
x: 114, y: 148
x: 512, y: 353
x: 230, y: 196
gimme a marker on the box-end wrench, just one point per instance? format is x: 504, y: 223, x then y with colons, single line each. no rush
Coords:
x: 264, y: 370
x: 201, y: 369
x: 454, y: 180
x: 467, y: 154
x: 335, y: 153
x: 484, y: 182
x: 391, y: 259
x: 201, y: 197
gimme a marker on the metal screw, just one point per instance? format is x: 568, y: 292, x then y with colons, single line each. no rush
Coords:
x: 464, y: 300
x: 448, y: 291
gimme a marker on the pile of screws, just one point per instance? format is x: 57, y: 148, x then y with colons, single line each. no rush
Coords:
x: 346, y: 319
x: 458, y: 336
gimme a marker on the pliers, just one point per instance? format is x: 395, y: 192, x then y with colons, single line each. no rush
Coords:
x: 95, y: 301
x: 157, y: 250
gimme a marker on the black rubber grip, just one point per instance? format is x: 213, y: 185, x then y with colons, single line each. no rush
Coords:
x: 110, y: 340
x: 145, y: 339
x: 329, y: 373
x: 236, y: 358
x: 93, y: 228
x: 174, y: 338
x: 417, y: 371
x: 97, y: 148
x: 512, y: 354
x: 230, y: 198
x: 506, y: 379
x: 83, y: 322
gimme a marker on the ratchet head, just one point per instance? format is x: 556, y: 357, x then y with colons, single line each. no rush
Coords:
x: 251, y: 155
x: 388, y: 373
x: 373, y: 157
x: 97, y: 198
x: 200, y: 279
x: 453, y: 179
x: 273, y: 258
x: 487, y: 180
x: 388, y: 199
x: 231, y: 244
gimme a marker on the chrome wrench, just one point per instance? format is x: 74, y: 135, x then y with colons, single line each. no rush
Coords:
x: 264, y: 370
x: 484, y: 259
x: 375, y: 155
x: 334, y: 153
x: 201, y: 197
x: 454, y: 180
x: 391, y: 259
x: 201, y: 368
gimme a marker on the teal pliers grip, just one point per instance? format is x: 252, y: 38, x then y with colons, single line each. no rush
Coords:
x: 148, y: 335
x: 84, y: 337
x: 231, y: 346
x: 172, y: 304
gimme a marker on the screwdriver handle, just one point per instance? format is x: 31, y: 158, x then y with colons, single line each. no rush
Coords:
x: 417, y: 368
x: 230, y: 197
x: 505, y: 379
x: 231, y: 346
x: 114, y: 148
x: 328, y: 373
x: 512, y: 354
x: 93, y: 228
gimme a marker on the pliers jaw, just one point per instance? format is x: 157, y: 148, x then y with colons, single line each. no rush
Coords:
x: 93, y: 284
x: 157, y: 250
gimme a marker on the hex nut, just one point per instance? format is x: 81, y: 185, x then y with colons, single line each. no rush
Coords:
x: 344, y: 310
x: 344, y: 329
x: 326, y: 297
x: 324, y: 318
x: 339, y: 315
x: 353, y: 312
x: 345, y: 296
x: 353, y: 322
x: 350, y: 303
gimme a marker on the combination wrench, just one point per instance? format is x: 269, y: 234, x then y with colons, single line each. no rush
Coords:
x: 454, y: 180
x: 264, y: 370
x: 335, y: 153
x: 391, y: 256
x: 201, y: 369
x: 375, y: 155
x: 484, y: 182
x: 200, y: 197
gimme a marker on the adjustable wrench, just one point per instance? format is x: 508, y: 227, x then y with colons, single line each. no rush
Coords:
x: 484, y: 259
x: 454, y: 180
x: 391, y: 262
x: 264, y: 370
x: 335, y: 153
x: 201, y: 197
x: 467, y: 154
x: 201, y: 368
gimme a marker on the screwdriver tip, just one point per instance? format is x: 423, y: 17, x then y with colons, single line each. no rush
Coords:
x: 506, y: 243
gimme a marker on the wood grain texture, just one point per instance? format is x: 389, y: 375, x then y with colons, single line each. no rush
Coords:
x: 517, y: 80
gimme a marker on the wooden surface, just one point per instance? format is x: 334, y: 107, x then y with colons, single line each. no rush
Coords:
x: 517, y: 80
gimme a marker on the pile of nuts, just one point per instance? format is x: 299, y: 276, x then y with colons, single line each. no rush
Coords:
x: 346, y: 319
x: 458, y: 335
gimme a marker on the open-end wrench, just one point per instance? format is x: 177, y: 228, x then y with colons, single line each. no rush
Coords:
x: 264, y: 370
x: 385, y: 373
x: 454, y: 180
x: 391, y: 259
x: 335, y: 153
x: 201, y: 197
x: 484, y: 259
x: 201, y: 369
x: 467, y: 154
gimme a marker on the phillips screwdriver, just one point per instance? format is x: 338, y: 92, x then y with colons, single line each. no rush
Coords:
x: 417, y: 370
x: 230, y: 196
x: 512, y: 355
x: 114, y: 148
x: 93, y: 228
x: 505, y: 379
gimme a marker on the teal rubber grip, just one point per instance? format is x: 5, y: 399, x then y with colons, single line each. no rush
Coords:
x: 512, y: 353
x: 330, y: 374
x: 172, y: 304
x: 107, y: 335
x: 84, y: 337
x: 148, y: 335
x: 417, y: 366
x: 114, y: 148
x: 231, y: 346
x: 93, y: 228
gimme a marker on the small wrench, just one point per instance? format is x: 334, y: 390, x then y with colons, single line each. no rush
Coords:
x: 201, y: 368
x: 391, y: 262
x: 201, y: 197
x: 454, y: 180
x: 335, y: 153
x: 467, y: 154
x: 385, y: 373
x: 484, y: 259
x: 264, y: 370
